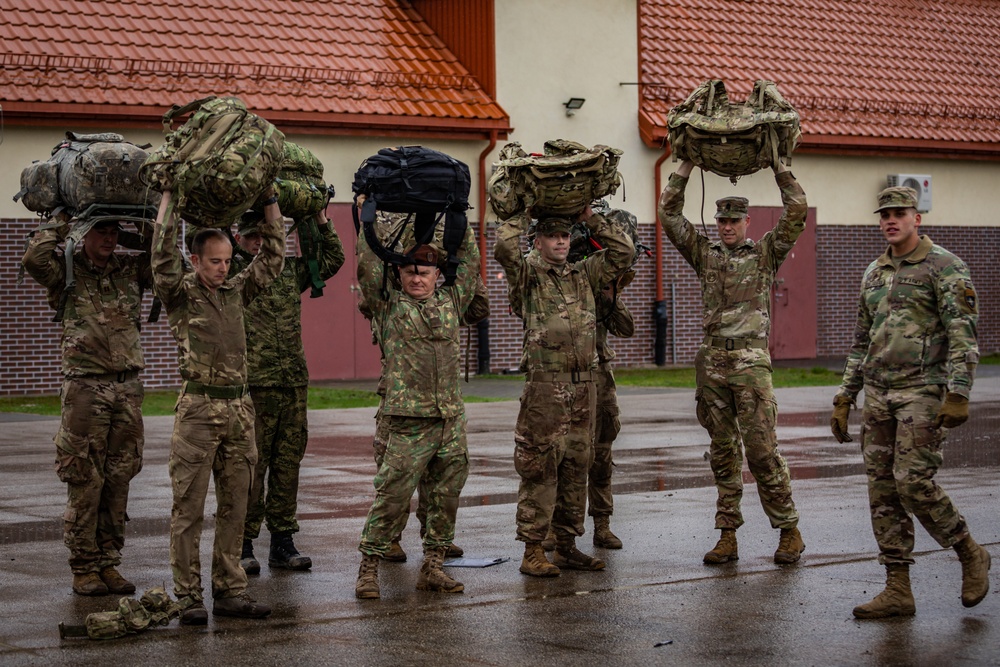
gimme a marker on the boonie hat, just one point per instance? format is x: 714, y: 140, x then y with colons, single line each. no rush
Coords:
x: 897, y: 197
x: 731, y: 207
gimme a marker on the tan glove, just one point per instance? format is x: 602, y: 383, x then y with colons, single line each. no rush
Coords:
x: 954, y: 411
x: 838, y: 422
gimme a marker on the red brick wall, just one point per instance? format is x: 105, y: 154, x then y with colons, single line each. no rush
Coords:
x: 29, y: 340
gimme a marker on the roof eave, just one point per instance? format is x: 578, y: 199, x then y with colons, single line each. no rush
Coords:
x: 131, y: 117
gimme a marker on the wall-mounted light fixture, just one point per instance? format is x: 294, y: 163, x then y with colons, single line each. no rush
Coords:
x: 573, y: 104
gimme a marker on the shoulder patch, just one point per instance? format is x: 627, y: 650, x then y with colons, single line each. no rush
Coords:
x: 968, y: 296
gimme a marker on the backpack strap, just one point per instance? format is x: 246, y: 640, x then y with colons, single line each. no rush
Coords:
x: 178, y: 110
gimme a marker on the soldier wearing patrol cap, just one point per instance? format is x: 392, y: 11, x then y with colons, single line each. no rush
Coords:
x: 555, y: 428
x: 735, y: 399
x: 417, y: 325
x: 100, y: 440
x: 915, y: 355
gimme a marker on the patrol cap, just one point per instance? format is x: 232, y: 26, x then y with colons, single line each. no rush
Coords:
x: 421, y: 255
x: 731, y: 208
x: 105, y: 224
x: 897, y: 197
x: 249, y: 223
x: 553, y: 224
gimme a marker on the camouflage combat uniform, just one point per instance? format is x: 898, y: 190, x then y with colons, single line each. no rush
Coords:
x: 734, y: 395
x: 606, y: 424
x: 214, y: 415
x: 915, y: 340
x: 279, y: 379
x: 422, y: 412
x: 100, y: 439
x: 555, y: 427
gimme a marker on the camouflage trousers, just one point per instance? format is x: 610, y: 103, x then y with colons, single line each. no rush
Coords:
x: 282, y: 434
x: 902, y: 453
x: 607, y: 425
x: 379, y: 445
x: 212, y: 437
x: 98, y: 451
x: 553, y: 452
x: 736, y: 405
x: 426, y: 451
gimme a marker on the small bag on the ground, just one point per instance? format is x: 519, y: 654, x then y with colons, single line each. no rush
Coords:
x: 218, y: 163
x: 734, y: 139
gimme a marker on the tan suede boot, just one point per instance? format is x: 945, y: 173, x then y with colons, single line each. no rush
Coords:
x: 976, y: 563
x: 603, y: 537
x: 433, y: 578
x: 395, y: 554
x: 115, y: 582
x: 549, y: 543
x: 790, y: 547
x: 367, y: 586
x: 535, y: 563
x: 568, y: 557
x: 895, y: 600
x: 89, y: 583
x: 725, y: 550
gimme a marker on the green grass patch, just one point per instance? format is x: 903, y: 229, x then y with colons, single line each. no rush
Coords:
x: 991, y: 359
x: 685, y: 377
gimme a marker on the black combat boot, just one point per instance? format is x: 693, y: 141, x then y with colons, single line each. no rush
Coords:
x: 284, y: 554
x: 248, y: 562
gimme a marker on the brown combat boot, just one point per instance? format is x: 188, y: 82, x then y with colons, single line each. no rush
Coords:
x: 535, y: 563
x: 367, y: 586
x: 395, y: 554
x: 976, y: 563
x: 895, y: 600
x: 570, y: 558
x: 89, y: 583
x: 725, y: 550
x: 455, y: 551
x: 115, y: 582
x: 790, y: 547
x: 432, y: 576
x: 603, y: 537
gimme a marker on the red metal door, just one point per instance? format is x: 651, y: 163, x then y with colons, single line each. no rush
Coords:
x: 793, y: 295
x: 337, y: 339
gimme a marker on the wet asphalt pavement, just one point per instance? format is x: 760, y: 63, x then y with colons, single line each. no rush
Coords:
x: 655, y: 604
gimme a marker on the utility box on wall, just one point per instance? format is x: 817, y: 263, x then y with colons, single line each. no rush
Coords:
x: 919, y: 182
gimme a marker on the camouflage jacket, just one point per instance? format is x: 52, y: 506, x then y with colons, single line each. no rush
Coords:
x: 419, y: 338
x: 735, y: 284
x: 618, y: 323
x: 916, y: 324
x: 208, y: 326
x: 273, y: 321
x: 103, y: 313
x: 557, y: 303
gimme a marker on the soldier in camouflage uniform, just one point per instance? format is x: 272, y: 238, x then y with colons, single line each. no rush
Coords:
x: 735, y: 399
x: 555, y: 428
x: 418, y: 328
x: 915, y: 354
x: 100, y: 439
x: 279, y: 380
x: 214, y: 416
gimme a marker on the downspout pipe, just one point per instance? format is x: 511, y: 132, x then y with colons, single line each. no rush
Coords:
x: 660, y: 304
x: 483, y: 327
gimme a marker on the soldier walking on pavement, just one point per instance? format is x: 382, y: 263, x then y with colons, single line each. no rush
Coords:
x: 214, y: 417
x: 279, y: 379
x: 915, y: 355
x: 423, y: 411
x: 735, y: 398
x: 553, y: 452
x: 100, y: 439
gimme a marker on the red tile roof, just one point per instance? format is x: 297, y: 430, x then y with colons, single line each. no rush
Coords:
x: 913, y: 76
x: 349, y: 65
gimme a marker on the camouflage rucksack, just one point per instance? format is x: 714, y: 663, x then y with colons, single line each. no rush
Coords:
x: 84, y: 170
x: 562, y: 181
x: 734, y: 139
x: 218, y: 163
x: 299, y: 183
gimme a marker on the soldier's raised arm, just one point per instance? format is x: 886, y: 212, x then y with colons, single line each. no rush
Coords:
x: 268, y: 263
x: 670, y: 214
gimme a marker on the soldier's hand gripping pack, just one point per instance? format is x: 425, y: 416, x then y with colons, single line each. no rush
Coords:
x: 84, y: 170
x: 733, y: 139
x: 562, y: 181
x: 427, y: 185
x: 218, y: 163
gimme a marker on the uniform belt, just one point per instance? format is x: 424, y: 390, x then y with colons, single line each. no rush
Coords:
x: 121, y: 376
x: 571, y: 376
x: 216, y: 390
x: 736, y: 343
